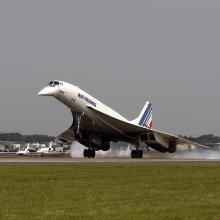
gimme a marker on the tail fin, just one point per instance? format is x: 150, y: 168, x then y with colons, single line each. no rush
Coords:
x: 145, y: 118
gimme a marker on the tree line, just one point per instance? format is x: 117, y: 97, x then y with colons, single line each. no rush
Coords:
x: 17, y: 137
x: 204, y: 139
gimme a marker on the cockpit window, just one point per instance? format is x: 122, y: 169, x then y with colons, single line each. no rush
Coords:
x: 55, y: 83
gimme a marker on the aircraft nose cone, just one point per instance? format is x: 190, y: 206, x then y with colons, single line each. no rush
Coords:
x: 41, y: 92
x: 47, y: 91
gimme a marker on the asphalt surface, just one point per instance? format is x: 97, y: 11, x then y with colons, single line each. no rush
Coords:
x: 99, y: 160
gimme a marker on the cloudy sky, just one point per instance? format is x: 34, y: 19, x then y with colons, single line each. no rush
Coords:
x: 121, y: 51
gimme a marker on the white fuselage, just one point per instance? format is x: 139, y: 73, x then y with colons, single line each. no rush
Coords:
x: 45, y: 150
x: 95, y: 125
x: 78, y: 100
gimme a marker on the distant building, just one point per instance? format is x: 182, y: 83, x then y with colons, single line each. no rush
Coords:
x: 2, y: 148
x: 16, y: 146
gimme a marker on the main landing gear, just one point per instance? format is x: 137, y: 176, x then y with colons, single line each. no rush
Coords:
x: 89, y: 153
x: 137, y: 154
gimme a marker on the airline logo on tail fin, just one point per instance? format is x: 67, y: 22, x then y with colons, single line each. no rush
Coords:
x: 146, y: 119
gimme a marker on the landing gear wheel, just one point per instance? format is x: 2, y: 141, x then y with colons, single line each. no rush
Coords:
x: 137, y: 154
x: 88, y: 153
x: 93, y: 153
x: 141, y: 154
x: 133, y: 154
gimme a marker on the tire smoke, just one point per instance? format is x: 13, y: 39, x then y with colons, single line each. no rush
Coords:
x: 77, y: 151
x: 207, y: 154
x: 198, y: 154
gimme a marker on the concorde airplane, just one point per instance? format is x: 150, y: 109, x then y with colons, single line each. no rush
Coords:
x: 95, y: 125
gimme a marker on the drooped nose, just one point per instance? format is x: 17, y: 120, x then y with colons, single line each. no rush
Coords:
x: 48, y: 91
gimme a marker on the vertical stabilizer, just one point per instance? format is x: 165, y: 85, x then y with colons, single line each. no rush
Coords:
x: 145, y: 118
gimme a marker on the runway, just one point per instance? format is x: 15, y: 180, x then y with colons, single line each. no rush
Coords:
x: 98, y: 160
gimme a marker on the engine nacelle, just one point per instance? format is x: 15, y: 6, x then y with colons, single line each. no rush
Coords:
x: 171, y: 149
x: 98, y: 142
x: 172, y: 146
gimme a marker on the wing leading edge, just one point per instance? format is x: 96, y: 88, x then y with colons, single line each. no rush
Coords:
x: 158, y: 140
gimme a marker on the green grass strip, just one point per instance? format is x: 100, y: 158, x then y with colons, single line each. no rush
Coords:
x: 110, y: 191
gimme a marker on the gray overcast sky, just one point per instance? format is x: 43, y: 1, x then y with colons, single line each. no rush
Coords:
x: 121, y: 51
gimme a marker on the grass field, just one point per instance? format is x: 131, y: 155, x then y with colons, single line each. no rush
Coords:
x: 110, y: 191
